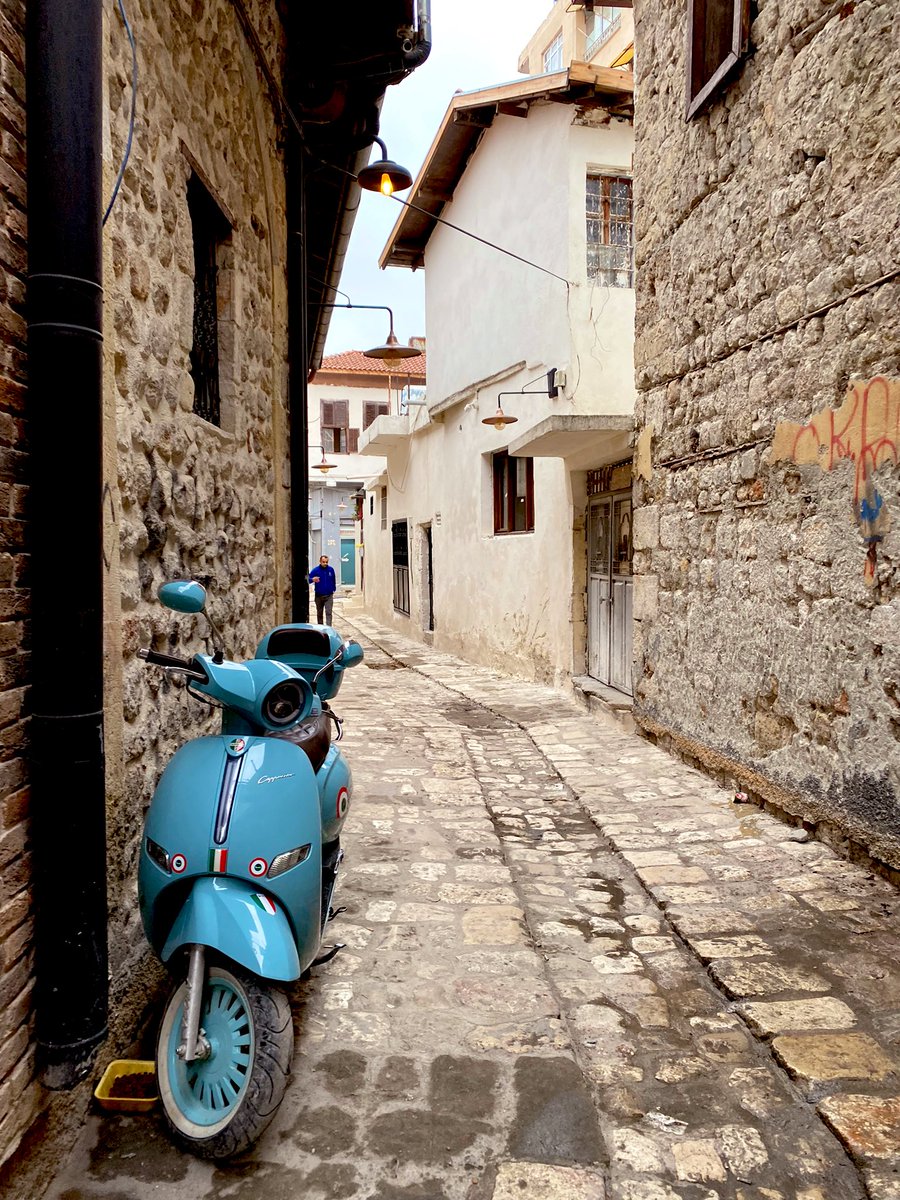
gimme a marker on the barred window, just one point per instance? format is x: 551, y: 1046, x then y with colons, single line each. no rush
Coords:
x: 210, y: 230
x: 610, y: 230
x: 400, y: 565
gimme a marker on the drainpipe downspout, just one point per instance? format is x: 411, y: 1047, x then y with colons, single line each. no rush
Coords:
x: 68, y: 799
x: 298, y: 383
x: 416, y: 54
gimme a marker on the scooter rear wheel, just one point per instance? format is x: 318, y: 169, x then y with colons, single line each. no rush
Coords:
x: 218, y: 1106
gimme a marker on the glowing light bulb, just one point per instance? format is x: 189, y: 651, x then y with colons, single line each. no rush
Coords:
x: 387, y: 188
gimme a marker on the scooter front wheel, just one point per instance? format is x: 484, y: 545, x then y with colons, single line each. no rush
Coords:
x: 218, y: 1106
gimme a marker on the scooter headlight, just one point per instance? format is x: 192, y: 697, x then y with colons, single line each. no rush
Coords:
x: 284, y: 862
x: 284, y: 703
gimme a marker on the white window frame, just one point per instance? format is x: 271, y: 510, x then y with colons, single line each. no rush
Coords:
x: 553, y: 55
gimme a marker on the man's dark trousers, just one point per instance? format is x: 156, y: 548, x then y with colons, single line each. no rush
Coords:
x: 326, y: 604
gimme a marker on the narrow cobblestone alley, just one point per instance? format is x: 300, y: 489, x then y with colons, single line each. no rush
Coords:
x: 575, y: 970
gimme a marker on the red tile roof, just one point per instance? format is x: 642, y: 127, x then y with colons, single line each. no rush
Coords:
x: 355, y: 360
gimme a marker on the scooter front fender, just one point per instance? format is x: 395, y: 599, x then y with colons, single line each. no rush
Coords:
x: 240, y: 921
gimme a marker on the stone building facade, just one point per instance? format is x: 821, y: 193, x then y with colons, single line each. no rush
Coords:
x: 196, y: 473
x: 190, y: 497
x: 183, y: 496
x: 767, y: 503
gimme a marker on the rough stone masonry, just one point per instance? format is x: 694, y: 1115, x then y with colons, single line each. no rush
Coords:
x: 181, y: 496
x: 767, y: 522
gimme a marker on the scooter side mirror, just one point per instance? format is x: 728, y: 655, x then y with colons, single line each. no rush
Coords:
x: 353, y: 654
x: 184, y: 595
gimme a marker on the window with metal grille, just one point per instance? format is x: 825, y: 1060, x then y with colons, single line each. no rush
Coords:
x: 337, y: 436
x: 610, y: 230
x: 553, y: 55
x: 400, y: 564
x: 384, y: 508
x: 717, y: 39
x: 373, y: 409
x: 513, y: 493
x: 210, y: 230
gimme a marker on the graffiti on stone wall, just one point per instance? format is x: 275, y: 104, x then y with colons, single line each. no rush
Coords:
x: 866, y: 430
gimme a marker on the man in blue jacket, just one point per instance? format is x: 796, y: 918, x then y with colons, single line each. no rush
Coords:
x: 326, y: 585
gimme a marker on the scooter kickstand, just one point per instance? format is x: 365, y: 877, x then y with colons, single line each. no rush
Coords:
x: 336, y: 912
x: 329, y: 955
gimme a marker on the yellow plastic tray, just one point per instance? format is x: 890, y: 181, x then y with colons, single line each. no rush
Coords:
x: 116, y: 1069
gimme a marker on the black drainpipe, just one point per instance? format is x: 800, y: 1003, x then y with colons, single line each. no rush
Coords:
x: 65, y: 298
x: 298, y: 379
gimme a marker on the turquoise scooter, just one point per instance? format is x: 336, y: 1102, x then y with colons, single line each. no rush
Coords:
x: 238, y: 863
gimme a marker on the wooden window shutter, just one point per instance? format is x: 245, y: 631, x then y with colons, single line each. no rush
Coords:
x: 352, y: 441
x: 336, y: 413
x: 717, y: 37
x: 341, y: 413
x: 529, y: 493
x: 373, y: 409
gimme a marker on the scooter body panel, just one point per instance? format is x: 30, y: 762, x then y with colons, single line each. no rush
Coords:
x: 240, y: 921
x: 228, y: 806
x: 335, y: 791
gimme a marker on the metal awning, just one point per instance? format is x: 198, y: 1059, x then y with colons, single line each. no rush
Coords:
x: 582, y: 441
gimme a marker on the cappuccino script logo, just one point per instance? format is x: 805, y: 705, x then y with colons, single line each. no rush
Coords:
x: 274, y: 778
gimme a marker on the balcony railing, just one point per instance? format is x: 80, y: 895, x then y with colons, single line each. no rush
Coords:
x: 602, y: 30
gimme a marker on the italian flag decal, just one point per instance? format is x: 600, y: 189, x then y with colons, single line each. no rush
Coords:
x: 218, y: 860
x: 264, y: 903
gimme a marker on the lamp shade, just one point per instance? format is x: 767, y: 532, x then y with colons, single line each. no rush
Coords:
x: 392, y: 351
x: 384, y: 176
x: 499, y: 420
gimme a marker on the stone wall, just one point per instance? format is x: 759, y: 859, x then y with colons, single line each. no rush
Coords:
x: 767, y: 523
x: 17, y: 1092
x: 190, y: 499
x: 181, y: 497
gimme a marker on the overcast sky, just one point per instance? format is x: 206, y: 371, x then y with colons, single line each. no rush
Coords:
x: 476, y: 43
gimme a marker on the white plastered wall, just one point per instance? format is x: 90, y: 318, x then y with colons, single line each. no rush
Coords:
x: 505, y: 600
x: 347, y: 466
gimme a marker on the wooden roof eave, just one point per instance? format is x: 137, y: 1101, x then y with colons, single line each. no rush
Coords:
x: 467, y: 117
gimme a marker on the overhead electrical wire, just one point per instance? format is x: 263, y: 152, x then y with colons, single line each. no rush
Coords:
x: 134, y: 87
x: 475, y: 237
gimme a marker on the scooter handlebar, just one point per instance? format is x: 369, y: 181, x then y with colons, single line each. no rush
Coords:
x: 166, y: 660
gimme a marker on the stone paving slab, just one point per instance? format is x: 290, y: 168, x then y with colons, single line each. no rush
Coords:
x: 795, y: 925
x: 574, y: 968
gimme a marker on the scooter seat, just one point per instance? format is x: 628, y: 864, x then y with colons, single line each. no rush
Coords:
x: 313, y: 737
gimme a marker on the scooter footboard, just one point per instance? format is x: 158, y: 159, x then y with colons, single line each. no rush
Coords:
x: 240, y: 921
